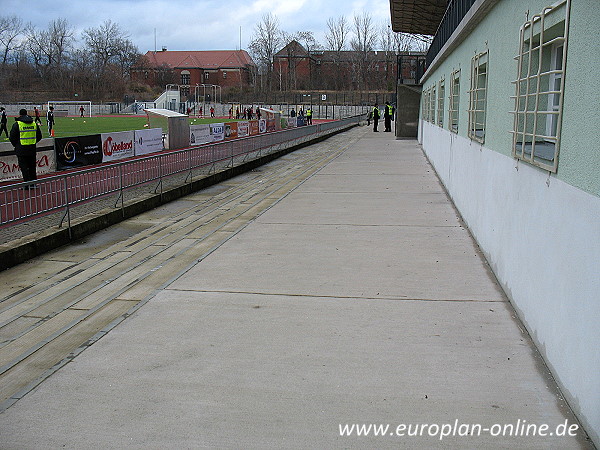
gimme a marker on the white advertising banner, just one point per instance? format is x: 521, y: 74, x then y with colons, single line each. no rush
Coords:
x: 217, y: 131
x: 117, y: 146
x: 262, y: 126
x: 243, y: 129
x: 9, y: 166
x: 148, y: 141
x: 200, y: 134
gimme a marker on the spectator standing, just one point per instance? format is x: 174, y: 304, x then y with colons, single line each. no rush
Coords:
x: 3, y: 122
x: 24, y: 135
x: 376, y: 116
x: 50, y: 120
x: 387, y: 116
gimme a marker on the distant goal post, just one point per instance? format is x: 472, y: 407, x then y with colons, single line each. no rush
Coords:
x: 70, y: 107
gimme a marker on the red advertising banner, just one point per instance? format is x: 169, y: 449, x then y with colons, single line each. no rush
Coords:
x: 231, y: 131
x: 253, y: 127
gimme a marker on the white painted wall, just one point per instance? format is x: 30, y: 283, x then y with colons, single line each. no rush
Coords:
x: 541, y: 237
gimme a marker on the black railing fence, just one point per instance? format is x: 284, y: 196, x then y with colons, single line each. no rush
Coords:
x: 456, y: 10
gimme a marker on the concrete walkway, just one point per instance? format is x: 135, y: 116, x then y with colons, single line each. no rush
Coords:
x: 333, y: 287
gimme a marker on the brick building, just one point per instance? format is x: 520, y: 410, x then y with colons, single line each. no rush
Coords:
x: 225, y: 68
x: 294, y: 67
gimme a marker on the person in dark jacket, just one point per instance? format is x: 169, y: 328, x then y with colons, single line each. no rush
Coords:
x: 388, y: 112
x: 50, y: 120
x: 24, y: 135
x: 376, y: 116
x: 3, y: 121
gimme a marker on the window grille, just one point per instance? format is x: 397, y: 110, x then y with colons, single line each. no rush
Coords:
x: 432, y: 98
x: 424, y: 112
x: 478, y: 96
x: 454, y: 101
x: 440, y: 102
x: 540, y: 85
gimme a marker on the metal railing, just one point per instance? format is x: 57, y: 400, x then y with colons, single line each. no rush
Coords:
x: 24, y: 201
x: 456, y: 10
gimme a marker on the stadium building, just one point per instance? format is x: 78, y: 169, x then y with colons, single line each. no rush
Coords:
x: 506, y: 120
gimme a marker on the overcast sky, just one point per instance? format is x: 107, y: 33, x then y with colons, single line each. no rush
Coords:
x: 193, y: 25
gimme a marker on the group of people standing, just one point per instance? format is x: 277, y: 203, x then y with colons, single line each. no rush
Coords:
x: 246, y: 113
x: 375, y: 115
x: 308, y: 116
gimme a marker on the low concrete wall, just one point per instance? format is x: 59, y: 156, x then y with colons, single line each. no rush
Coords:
x: 407, y: 111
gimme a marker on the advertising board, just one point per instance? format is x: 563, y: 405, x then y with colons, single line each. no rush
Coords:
x: 78, y: 151
x: 117, y: 146
x: 231, y: 130
x: 200, y: 134
x: 148, y: 141
x: 9, y: 166
x: 217, y: 131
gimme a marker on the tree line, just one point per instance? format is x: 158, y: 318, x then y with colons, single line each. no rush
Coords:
x: 52, y: 60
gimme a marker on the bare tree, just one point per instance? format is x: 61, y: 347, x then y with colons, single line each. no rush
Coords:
x: 337, y: 35
x: 363, y: 43
x: 110, y: 50
x: 126, y: 57
x: 11, y: 27
x: 387, y: 45
x: 104, y: 43
x: 50, y: 48
x: 307, y: 39
x: 266, y: 40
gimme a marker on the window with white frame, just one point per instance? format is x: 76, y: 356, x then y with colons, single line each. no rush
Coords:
x: 478, y: 96
x: 440, y: 102
x: 185, y: 77
x: 454, y: 101
x: 539, y: 87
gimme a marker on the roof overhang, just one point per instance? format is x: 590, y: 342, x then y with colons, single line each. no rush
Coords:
x: 417, y: 16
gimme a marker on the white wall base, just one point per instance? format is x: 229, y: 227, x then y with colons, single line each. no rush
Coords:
x: 541, y: 237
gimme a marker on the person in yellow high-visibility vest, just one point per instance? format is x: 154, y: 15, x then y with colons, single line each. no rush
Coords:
x: 24, y: 135
x: 387, y: 116
x: 376, y: 115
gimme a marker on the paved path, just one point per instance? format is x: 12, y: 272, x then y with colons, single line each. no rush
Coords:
x: 334, y: 286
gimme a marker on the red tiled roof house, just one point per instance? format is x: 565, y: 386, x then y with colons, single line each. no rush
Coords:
x: 225, y: 68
